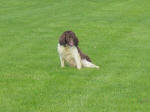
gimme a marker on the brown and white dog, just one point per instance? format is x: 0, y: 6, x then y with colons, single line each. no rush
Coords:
x: 70, y: 53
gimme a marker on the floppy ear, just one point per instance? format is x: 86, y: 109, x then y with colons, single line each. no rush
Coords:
x: 62, y: 39
x: 76, y: 41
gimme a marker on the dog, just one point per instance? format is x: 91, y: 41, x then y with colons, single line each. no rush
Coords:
x: 70, y: 53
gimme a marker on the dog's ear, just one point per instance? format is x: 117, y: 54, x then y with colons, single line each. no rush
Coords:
x: 62, y: 39
x: 76, y: 41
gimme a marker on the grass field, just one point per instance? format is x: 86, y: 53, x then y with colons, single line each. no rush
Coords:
x: 114, y: 33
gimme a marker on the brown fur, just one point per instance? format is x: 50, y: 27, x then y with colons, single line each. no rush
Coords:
x: 65, y: 39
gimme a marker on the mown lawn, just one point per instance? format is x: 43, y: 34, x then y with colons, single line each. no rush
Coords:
x: 114, y: 33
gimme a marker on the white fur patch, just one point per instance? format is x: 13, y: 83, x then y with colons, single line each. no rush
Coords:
x: 72, y: 57
x: 68, y: 54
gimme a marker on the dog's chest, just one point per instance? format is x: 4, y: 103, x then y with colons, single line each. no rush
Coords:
x: 67, y: 54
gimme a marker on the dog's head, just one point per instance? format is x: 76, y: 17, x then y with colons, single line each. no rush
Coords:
x: 68, y: 38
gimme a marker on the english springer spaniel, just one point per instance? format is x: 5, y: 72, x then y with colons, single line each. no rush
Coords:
x: 70, y: 53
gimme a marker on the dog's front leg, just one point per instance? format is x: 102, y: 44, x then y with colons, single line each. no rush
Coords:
x: 78, y: 62
x: 62, y: 62
x: 77, y: 58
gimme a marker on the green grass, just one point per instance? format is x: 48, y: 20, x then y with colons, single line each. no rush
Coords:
x: 114, y: 33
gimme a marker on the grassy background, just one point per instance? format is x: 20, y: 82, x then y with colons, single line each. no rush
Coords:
x: 114, y: 33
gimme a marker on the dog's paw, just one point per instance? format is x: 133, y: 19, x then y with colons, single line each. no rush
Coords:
x: 78, y: 68
x: 62, y: 66
x: 97, y: 67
